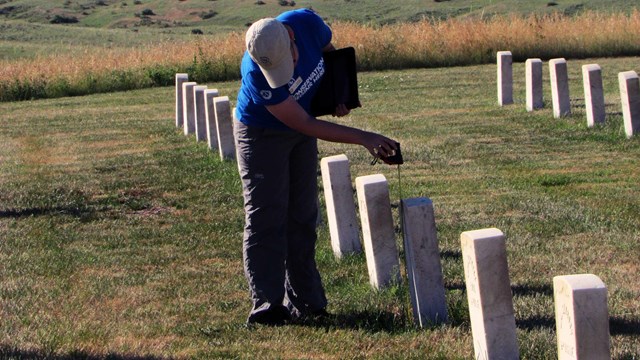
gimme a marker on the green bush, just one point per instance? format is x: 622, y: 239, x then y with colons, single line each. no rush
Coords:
x: 161, y: 75
x: 63, y: 19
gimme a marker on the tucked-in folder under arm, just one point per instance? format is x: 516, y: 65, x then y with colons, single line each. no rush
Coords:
x: 339, y: 84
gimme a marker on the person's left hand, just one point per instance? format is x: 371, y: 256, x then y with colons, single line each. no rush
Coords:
x: 341, y: 110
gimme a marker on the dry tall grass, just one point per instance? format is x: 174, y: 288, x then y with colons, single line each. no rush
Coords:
x: 473, y: 41
x: 423, y: 44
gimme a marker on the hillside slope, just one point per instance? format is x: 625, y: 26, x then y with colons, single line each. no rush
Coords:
x: 229, y: 14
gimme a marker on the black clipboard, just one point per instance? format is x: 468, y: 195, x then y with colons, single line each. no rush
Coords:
x: 339, y: 85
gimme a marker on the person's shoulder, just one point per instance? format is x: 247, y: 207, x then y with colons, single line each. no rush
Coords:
x: 296, y: 14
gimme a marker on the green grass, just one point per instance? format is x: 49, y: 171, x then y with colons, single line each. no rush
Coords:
x: 121, y: 238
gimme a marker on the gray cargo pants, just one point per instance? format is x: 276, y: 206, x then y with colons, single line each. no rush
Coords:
x: 278, y: 170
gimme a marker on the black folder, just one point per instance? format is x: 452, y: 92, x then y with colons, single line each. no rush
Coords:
x: 339, y: 85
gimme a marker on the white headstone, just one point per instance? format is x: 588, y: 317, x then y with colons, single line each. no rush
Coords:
x: 533, y: 81
x: 180, y: 79
x: 341, y: 208
x: 489, y: 294
x: 212, y: 133
x: 224, y: 128
x: 505, y: 78
x: 377, y: 230
x: 582, y: 317
x: 630, y: 97
x: 422, y: 255
x: 201, y: 112
x: 560, y: 87
x: 188, y: 107
x: 593, y: 94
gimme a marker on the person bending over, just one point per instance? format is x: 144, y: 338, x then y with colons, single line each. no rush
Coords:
x: 276, y: 145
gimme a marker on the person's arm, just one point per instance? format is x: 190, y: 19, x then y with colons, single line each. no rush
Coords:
x: 295, y: 117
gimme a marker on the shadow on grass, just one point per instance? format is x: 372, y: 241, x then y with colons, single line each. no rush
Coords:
x: 617, y: 325
x: 451, y: 254
x: 532, y: 290
x: 8, y: 352
x: 58, y: 210
x: 368, y: 321
x: 537, y: 322
x: 451, y: 285
x: 624, y: 326
x: 520, y: 290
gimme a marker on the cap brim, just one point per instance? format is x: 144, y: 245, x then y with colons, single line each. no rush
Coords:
x: 279, y: 75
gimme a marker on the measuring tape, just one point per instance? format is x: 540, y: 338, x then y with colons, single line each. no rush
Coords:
x: 395, y: 159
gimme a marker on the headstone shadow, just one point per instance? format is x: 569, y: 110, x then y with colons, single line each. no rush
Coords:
x: 624, y: 326
x: 451, y: 254
x: 537, y: 322
x: 531, y: 290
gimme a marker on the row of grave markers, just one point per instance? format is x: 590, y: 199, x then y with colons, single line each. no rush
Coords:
x: 628, y: 81
x: 203, y: 112
x: 582, y: 319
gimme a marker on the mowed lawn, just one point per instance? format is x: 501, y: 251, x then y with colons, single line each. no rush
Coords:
x: 121, y: 238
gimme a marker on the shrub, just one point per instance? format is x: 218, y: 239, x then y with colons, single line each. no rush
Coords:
x: 64, y: 19
x: 208, y: 15
x: 147, y: 12
x: 161, y: 75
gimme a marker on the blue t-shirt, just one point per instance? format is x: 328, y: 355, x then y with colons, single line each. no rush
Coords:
x: 311, y: 36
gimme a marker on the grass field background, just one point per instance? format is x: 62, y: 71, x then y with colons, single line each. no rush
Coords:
x: 26, y: 30
x: 180, y: 17
x: 127, y: 45
x: 121, y: 237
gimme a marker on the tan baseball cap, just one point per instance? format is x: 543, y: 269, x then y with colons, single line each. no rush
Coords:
x: 269, y: 45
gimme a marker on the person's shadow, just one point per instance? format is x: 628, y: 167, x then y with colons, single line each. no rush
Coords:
x: 7, y: 352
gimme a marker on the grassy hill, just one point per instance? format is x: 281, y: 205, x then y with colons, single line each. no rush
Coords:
x: 214, y: 14
x: 94, y: 21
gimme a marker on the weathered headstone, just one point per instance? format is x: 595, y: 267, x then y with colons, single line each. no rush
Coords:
x: 533, y: 81
x: 593, y: 94
x: 422, y: 255
x: 630, y: 97
x: 582, y: 317
x: 224, y: 128
x: 505, y: 78
x: 180, y: 79
x: 341, y: 208
x: 489, y: 294
x: 188, y: 107
x: 377, y: 230
x: 201, y: 112
x: 212, y: 133
x: 560, y: 87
